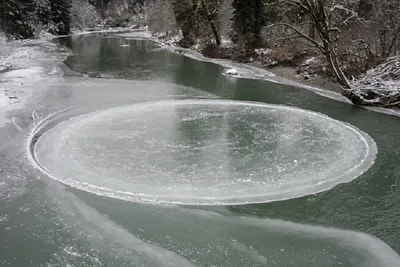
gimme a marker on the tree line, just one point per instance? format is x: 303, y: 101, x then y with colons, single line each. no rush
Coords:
x: 25, y: 18
x: 20, y: 17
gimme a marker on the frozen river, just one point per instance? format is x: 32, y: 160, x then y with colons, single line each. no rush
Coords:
x: 132, y: 155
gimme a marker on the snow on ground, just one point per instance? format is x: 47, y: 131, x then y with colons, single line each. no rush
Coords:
x: 226, y: 42
x: 21, y: 74
x: 3, y: 100
x: 136, y: 34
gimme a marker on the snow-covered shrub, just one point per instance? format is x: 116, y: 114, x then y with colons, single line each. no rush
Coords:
x: 43, y: 11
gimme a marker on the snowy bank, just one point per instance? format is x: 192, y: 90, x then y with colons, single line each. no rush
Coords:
x: 317, y: 84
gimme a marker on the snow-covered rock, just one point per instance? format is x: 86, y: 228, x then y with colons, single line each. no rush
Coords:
x: 262, y: 51
x: 197, y: 47
x: 232, y: 72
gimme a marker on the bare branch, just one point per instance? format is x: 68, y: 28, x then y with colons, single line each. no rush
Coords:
x: 302, y: 35
x: 381, y: 84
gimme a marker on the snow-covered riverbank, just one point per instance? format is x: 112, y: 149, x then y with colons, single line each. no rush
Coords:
x: 283, y: 75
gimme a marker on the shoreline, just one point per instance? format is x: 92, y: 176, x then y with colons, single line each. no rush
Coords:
x: 279, y: 74
x: 318, y: 81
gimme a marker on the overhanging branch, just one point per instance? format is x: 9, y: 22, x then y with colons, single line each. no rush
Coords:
x: 301, y: 35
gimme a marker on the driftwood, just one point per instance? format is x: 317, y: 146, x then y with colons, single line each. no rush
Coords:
x: 378, y: 87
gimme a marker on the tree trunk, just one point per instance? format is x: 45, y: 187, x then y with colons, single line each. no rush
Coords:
x: 214, y: 28
x: 215, y: 32
x: 333, y: 61
x: 311, y: 30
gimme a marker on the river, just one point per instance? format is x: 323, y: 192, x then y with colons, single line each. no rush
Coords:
x: 112, y: 80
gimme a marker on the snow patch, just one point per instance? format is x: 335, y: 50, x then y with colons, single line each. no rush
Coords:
x: 28, y: 73
x: 232, y: 72
x: 262, y: 51
x: 135, y: 34
x: 3, y: 218
x: 70, y: 250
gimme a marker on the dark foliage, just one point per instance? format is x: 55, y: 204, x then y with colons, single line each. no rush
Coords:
x: 19, y: 18
x: 16, y: 18
x: 185, y: 14
x: 43, y: 11
x: 60, y: 17
x: 248, y: 20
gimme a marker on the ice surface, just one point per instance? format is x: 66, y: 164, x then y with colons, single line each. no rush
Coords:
x: 3, y: 100
x: 177, y: 236
x: 25, y: 68
x: 203, y: 152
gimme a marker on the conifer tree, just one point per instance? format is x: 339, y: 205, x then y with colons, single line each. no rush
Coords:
x: 16, y: 18
x: 248, y: 20
x: 60, y: 16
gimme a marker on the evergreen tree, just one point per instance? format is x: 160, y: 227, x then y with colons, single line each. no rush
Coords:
x: 43, y: 11
x: 197, y: 18
x: 187, y: 19
x: 60, y: 16
x: 248, y: 20
x: 17, y: 17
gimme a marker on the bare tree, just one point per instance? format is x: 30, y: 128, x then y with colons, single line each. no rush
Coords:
x: 327, y: 18
x: 386, y: 17
x: 211, y: 11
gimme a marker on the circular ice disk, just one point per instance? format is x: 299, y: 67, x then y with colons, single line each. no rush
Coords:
x: 205, y: 152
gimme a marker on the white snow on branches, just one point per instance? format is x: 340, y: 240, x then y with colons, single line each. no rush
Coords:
x: 380, y: 85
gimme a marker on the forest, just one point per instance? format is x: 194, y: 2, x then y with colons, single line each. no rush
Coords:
x: 355, y: 43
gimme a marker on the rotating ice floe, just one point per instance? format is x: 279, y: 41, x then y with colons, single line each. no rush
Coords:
x: 201, y: 152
